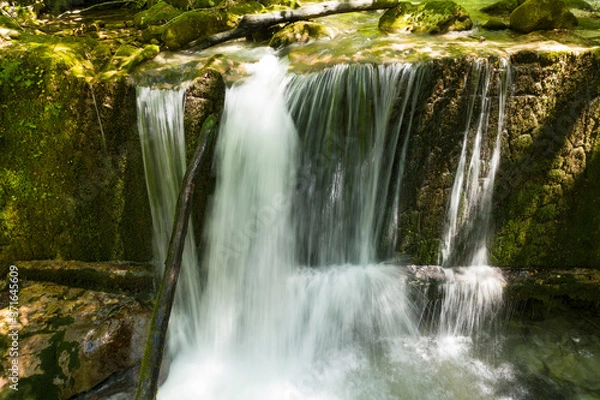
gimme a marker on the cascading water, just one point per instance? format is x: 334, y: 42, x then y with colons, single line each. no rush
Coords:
x: 473, y: 291
x: 295, y: 306
x: 160, y: 126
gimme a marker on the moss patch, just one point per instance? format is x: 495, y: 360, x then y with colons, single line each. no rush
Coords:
x: 435, y: 16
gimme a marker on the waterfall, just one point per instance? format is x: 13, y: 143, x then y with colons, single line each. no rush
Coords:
x: 473, y: 292
x: 346, y: 117
x: 295, y: 306
x: 160, y: 126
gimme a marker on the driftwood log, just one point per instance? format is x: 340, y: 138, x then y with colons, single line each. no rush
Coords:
x: 153, y: 353
x: 252, y: 23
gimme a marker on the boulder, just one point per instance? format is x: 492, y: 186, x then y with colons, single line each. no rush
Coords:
x: 535, y: 15
x: 579, y: 5
x: 194, y: 25
x: 495, y: 24
x: 298, y: 32
x: 71, y: 339
x: 158, y: 14
x: 436, y: 16
x: 502, y: 7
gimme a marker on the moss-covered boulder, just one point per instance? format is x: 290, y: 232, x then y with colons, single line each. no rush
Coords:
x: 579, y: 5
x: 70, y: 340
x: 127, y: 58
x: 194, y: 25
x: 495, y: 24
x: 502, y: 7
x: 158, y: 14
x: 436, y: 16
x: 535, y: 15
x: 298, y: 32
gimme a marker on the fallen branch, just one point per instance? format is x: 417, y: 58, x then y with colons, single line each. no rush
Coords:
x: 149, y: 371
x: 256, y: 22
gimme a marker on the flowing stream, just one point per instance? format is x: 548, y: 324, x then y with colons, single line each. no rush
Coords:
x: 309, y: 177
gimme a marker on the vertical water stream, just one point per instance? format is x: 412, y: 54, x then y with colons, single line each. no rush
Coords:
x: 295, y: 305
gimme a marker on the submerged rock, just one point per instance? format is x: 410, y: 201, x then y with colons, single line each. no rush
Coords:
x: 534, y: 15
x: 72, y: 339
x: 194, y: 25
x: 298, y: 32
x: 436, y: 16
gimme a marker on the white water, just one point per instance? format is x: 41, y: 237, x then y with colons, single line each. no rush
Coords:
x: 160, y: 125
x: 294, y: 306
x: 473, y: 294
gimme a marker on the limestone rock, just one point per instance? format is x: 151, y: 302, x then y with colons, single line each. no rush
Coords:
x: 70, y: 340
x: 195, y: 25
x: 534, y: 15
x: 158, y: 14
x: 298, y: 32
x: 435, y: 16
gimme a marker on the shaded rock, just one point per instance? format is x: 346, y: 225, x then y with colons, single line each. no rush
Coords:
x: 206, y: 3
x: 534, y: 15
x: 436, y: 16
x: 158, y: 14
x: 502, y: 7
x: 72, y: 339
x: 495, y: 24
x: 195, y: 25
x: 579, y: 5
x: 153, y: 32
x: 298, y: 32
x: 181, y: 4
x: 111, y: 277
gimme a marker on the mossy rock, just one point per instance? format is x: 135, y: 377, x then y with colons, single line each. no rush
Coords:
x: 579, y: 5
x: 158, y: 14
x: 8, y: 23
x: 152, y: 33
x: 433, y: 17
x: 206, y: 3
x: 194, y: 25
x: 298, y: 32
x: 128, y: 57
x: 502, y: 7
x: 535, y: 15
x: 181, y: 4
x: 72, y: 340
x: 495, y: 24
x: 245, y: 7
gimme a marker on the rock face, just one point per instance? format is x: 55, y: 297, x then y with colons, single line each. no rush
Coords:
x: 70, y: 339
x: 298, y: 32
x: 535, y: 15
x: 436, y: 16
x: 546, y: 201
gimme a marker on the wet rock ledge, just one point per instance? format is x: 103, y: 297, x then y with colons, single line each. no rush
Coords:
x: 81, y: 328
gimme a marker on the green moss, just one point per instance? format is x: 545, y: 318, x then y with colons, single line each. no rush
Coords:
x: 62, y: 180
x: 194, y: 25
x: 434, y: 16
x: 298, y: 32
x: 158, y: 14
x: 46, y: 384
x: 535, y: 15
